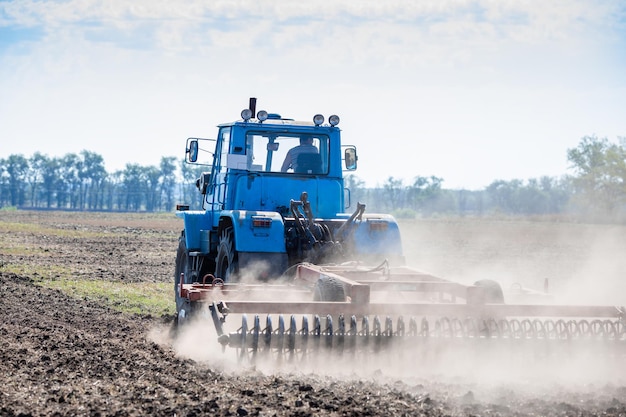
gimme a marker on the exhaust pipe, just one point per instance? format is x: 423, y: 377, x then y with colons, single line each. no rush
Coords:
x: 252, y: 106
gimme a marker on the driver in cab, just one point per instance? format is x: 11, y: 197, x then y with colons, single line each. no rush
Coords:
x: 291, y: 159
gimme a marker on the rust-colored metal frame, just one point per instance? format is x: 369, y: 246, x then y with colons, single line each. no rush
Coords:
x: 359, y: 284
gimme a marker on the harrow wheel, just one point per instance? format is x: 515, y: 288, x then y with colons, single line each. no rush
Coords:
x: 328, y: 289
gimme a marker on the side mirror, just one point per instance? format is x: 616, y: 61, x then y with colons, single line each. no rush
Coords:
x: 192, y: 150
x: 350, y: 158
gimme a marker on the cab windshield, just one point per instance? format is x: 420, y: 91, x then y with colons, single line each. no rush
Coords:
x: 298, y: 153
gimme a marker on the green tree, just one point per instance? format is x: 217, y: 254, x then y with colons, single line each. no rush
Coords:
x: 50, y: 179
x: 535, y: 196
x: 600, y: 174
x: 423, y: 190
x: 532, y: 199
x: 114, y: 196
x: 152, y: 189
x: 505, y: 195
x: 133, y: 180
x: 37, y: 165
x: 393, y: 191
x: 91, y: 174
x: 4, y: 183
x: 168, y: 182
x: 68, y: 190
x: 17, y: 170
x: 558, y: 191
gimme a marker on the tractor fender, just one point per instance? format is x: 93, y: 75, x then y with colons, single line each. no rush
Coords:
x: 195, y: 222
x: 377, y: 235
x: 256, y: 231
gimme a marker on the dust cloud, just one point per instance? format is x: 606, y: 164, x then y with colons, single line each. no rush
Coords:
x: 482, y: 366
x: 583, y: 265
x: 601, y: 277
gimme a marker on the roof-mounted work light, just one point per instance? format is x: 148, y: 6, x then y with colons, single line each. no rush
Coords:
x: 333, y: 120
x: 318, y: 119
x: 261, y: 116
x: 246, y: 114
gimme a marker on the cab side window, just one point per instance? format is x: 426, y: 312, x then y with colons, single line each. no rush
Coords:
x: 223, y: 146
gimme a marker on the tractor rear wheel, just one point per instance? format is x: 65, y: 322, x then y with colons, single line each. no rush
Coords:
x: 226, y: 264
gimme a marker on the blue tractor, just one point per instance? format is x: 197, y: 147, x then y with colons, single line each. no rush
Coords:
x: 273, y: 198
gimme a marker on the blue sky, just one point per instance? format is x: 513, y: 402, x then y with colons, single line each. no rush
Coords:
x: 470, y: 91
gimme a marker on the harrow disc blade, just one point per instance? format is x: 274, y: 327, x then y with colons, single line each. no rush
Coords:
x: 365, y: 334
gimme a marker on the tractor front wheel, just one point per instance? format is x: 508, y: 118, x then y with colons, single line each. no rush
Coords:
x: 185, y: 310
x: 182, y: 267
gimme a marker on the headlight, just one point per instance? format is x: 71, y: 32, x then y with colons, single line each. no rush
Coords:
x: 261, y: 116
x: 333, y: 120
x: 246, y: 114
x: 318, y: 119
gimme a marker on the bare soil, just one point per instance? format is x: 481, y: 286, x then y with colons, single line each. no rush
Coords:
x: 66, y: 355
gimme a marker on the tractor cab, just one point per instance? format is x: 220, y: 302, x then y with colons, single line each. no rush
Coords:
x: 277, y: 159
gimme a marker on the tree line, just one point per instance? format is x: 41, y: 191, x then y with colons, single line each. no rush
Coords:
x: 596, y: 187
x: 81, y: 182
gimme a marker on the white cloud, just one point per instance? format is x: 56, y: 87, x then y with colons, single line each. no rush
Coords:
x: 489, y: 81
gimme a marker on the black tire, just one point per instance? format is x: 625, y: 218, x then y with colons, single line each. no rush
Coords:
x: 185, y: 310
x: 182, y: 267
x: 491, y: 291
x: 226, y: 264
x: 329, y: 289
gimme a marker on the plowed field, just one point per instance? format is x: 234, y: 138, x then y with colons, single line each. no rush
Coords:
x: 76, y: 340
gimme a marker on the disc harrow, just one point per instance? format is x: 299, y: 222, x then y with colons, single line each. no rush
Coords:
x: 366, y: 322
x: 304, y: 276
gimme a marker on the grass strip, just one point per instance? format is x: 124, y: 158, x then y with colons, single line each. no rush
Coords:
x: 154, y: 298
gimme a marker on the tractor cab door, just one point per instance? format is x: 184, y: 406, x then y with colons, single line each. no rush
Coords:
x: 216, y: 188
